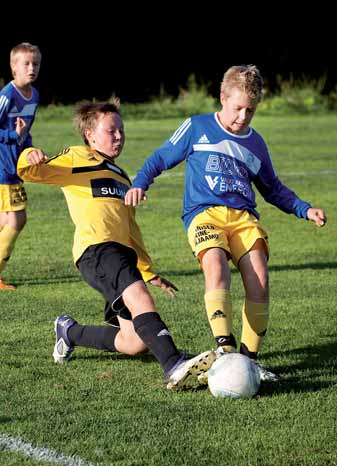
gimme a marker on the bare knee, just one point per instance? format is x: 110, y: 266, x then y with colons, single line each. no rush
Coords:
x: 128, y: 342
x: 135, y: 347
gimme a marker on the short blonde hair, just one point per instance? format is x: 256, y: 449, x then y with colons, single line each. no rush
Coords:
x: 87, y: 114
x: 24, y: 47
x: 246, y: 78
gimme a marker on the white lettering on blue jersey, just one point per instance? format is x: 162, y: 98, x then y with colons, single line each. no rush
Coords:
x: 234, y: 150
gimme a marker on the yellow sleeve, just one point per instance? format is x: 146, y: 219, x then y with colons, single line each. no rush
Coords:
x: 144, y: 261
x: 54, y: 171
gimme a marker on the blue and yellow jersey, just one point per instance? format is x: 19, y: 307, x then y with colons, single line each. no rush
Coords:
x: 94, y: 188
x: 221, y: 169
x: 12, y: 105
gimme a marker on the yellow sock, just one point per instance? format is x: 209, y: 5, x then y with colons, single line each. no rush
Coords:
x: 8, y: 237
x: 219, y: 312
x: 255, y: 317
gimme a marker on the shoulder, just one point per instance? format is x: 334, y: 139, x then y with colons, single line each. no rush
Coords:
x: 258, y: 137
x: 7, y: 90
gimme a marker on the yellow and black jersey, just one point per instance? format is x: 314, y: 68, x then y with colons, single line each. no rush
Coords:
x: 94, y: 188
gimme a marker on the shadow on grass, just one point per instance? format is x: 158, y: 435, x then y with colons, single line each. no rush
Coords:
x: 310, y: 365
x: 271, y: 268
x: 73, y: 278
x: 46, y: 281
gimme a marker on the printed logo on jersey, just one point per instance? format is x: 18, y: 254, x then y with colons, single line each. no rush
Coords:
x: 108, y: 187
x: 234, y: 177
x: 212, y: 182
x: 233, y: 150
x: 203, y: 139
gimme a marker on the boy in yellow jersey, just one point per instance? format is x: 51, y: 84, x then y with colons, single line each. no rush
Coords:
x: 224, y: 157
x: 18, y: 103
x: 108, y: 247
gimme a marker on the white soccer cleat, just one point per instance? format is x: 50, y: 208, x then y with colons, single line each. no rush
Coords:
x: 265, y: 375
x: 187, y: 368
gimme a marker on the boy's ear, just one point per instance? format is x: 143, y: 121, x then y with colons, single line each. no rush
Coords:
x: 222, y: 97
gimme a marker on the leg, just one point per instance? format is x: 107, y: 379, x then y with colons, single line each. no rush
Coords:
x: 255, y: 315
x: 154, y: 333
x: 217, y: 296
x: 12, y: 223
x: 148, y: 325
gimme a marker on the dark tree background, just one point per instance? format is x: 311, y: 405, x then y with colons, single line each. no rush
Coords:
x: 134, y: 52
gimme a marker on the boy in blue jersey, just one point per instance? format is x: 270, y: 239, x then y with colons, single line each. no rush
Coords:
x: 18, y: 103
x: 224, y: 157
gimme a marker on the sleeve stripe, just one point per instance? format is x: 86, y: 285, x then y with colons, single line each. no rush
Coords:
x: 180, y: 131
x: 3, y: 103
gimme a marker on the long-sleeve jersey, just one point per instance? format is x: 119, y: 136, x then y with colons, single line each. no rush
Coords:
x: 220, y: 169
x: 12, y: 105
x: 94, y: 188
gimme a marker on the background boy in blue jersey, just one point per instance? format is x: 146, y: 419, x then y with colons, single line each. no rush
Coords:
x: 18, y: 103
x: 224, y: 157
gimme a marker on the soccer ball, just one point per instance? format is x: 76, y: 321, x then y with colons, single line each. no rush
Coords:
x: 234, y: 375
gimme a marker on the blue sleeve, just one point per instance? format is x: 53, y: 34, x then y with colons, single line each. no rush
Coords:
x: 167, y: 156
x: 7, y: 136
x: 276, y: 193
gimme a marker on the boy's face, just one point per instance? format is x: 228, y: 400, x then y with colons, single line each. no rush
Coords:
x: 25, y: 67
x: 108, y: 135
x: 237, y: 111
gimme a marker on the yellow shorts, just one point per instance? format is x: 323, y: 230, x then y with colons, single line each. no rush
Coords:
x: 13, y: 197
x: 235, y: 231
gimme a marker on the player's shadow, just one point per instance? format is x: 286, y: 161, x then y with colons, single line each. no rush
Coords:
x: 314, y: 363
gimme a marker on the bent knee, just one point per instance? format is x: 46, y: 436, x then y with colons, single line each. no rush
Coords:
x: 136, y: 347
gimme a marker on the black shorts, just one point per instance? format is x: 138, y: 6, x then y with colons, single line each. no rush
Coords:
x: 110, y: 268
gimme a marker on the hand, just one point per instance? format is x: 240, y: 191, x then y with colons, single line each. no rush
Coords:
x: 134, y: 196
x: 165, y: 285
x: 317, y: 215
x: 36, y: 157
x: 20, y: 126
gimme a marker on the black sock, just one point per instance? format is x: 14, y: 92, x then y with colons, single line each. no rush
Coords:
x: 244, y: 350
x: 98, y: 337
x: 152, y: 330
x: 226, y: 340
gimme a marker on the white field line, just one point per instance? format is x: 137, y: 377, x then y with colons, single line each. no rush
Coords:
x: 281, y: 175
x: 17, y: 445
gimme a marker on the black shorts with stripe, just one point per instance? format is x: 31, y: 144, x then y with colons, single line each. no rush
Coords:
x: 110, y: 268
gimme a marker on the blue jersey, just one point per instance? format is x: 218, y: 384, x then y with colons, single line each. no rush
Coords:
x: 220, y: 169
x: 12, y: 105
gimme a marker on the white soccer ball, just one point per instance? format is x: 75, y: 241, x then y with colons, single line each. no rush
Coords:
x: 234, y: 375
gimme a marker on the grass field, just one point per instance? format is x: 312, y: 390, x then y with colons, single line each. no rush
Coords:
x: 108, y: 409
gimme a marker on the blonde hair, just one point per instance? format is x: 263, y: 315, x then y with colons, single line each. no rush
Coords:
x: 87, y: 114
x: 246, y: 78
x: 24, y: 47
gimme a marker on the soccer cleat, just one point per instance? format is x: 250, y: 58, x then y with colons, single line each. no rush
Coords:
x: 184, y: 369
x: 220, y: 351
x: 63, y: 349
x: 6, y: 286
x: 265, y: 375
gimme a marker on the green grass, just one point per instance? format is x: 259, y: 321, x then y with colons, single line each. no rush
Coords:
x: 110, y: 409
